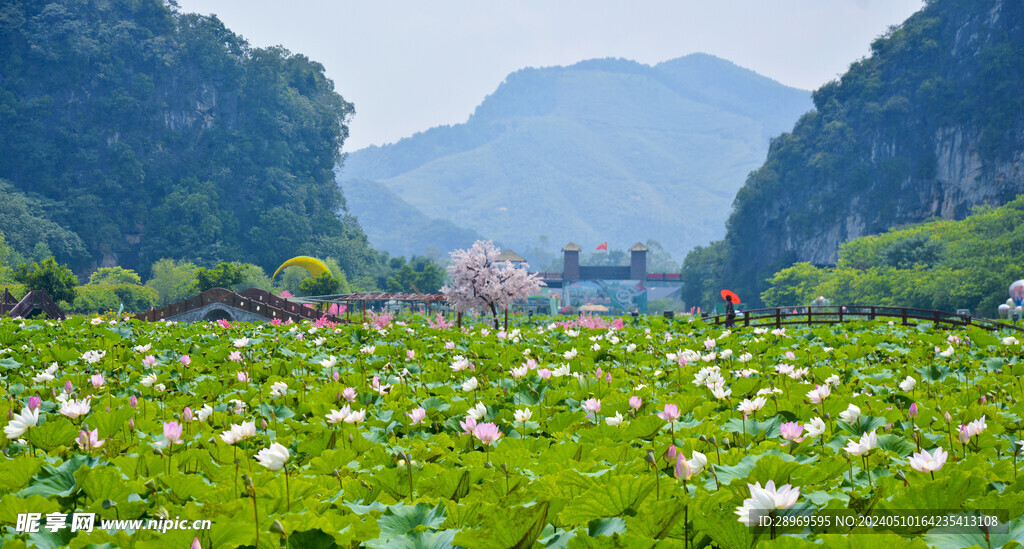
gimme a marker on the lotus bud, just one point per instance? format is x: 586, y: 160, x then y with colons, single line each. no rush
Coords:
x: 670, y: 454
x: 187, y: 415
x: 277, y: 527
x: 336, y: 377
x: 10, y: 415
x: 34, y: 403
x: 151, y: 485
x: 107, y: 504
x: 949, y: 418
x: 725, y: 443
x: 195, y: 544
x: 264, y: 423
x: 131, y: 423
x: 133, y: 402
x: 649, y: 457
x: 158, y: 451
x: 703, y: 438
x: 713, y: 440
x: 488, y: 465
x: 912, y: 412
x: 68, y: 387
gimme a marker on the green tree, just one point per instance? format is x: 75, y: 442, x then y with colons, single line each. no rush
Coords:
x: 795, y: 285
x: 114, y: 275
x: 172, y: 280
x: 325, y: 284
x: 224, y: 275
x: 702, y: 275
x: 56, y: 279
x: 420, y: 274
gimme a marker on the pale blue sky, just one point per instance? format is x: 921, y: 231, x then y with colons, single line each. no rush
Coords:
x: 410, y: 65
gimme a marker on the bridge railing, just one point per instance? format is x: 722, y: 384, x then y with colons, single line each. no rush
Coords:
x: 253, y: 300
x: 778, y: 317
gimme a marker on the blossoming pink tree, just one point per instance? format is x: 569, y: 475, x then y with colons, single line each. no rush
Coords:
x: 479, y: 281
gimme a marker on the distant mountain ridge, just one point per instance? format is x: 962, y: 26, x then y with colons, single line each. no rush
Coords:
x: 603, y: 150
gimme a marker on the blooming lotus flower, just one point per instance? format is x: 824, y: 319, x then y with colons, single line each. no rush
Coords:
x: 410, y: 354
x: 670, y: 413
x: 908, y: 384
x: 149, y: 361
x: 697, y: 462
x: 239, y: 433
x: 726, y: 354
x: 562, y: 370
x: 172, y: 432
x: 235, y: 356
x: 850, y: 415
x: 544, y: 373
x: 477, y: 412
x: 75, y: 408
x: 468, y: 425
x: 1010, y: 340
x: 356, y: 417
x: 368, y: 350
x: 750, y: 406
x: 22, y: 422
x: 97, y: 381
x: 615, y: 420
x: 689, y: 356
x: 273, y: 458
x: 928, y: 462
x: 569, y: 355
x: 278, y: 389
x: 330, y: 362
x: 159, y: 387
x: 337, y: 416
x: 524, y: 415
x: 96, y: 321
x: 185, y: 360
x: 519, y: 372
x: 977, y: 426
x: 720, y: 392
x: 792, y: 431
x: 319, y: 341
x: 241, y: 342
x: 449, y: 345
x: 635, y: 402
x: 87, y: 440
x: 820, y: 393
x: 417, y: 415
x: 592, y: 405
x: 459, y: 363
x: 815, y: 427
x: 745, y: 357
x: 866, y: 443
x: 631, y: 347
x: 947, y: 353
x: 709, y: 344
x: 148, y: 380
x: 205, y: 412
x: 470, y: 385
x: 243, y: 377
x: 487, y: 432
x: 763, y: 501
x: 349, y: 394
x: 832, y: 380
x: 92, y: 357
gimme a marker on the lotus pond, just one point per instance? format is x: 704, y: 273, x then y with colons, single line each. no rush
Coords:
x: 413, y: 433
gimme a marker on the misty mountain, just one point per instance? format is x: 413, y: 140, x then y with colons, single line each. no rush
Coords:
x: 603, y: 150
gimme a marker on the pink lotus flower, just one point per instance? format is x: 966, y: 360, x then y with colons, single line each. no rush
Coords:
x: 417, y: 415
x: 487, y: 432
x: 195, y: 541
x: 449, y: 345
x: 544, y: 373
x: 68, y: 387
x: 133, y: 401
x: 965, y: 434
x: 592, y: 405
x: 928, y: 462
x: 790, y: 355
x: 410, y: 354
x: 912, y: 412
x: 87, y: 440
x: 671, y: 453
x: 243, y: 377
x: 335, y: 377
x: 349, y: 394
x: 683, y: 471
x: 608, y: 377
x: 224, y: 324
x: 34, y: 402
x: 97, y: 381
x: 186, y: 416
x: 236, y: 356
x: 635, y: 402
x: 819, y: 394
x: 792, y: 431
x: 149, y: 361
x: 671, y: 413
x: 185, y: 360
x: 468, y: 426
x: 172, y: 432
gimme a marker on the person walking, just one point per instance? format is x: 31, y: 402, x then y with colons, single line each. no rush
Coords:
x: 730, y: 312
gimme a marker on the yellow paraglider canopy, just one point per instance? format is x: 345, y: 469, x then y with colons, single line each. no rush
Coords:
x: 311, y: 264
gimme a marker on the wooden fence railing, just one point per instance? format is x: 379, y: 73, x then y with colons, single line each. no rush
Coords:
x: 833, y: 314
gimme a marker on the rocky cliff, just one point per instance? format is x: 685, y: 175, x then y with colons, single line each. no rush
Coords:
x: 930, y: 125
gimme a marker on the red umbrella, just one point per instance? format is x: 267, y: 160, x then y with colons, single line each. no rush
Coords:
x: 727, y: 294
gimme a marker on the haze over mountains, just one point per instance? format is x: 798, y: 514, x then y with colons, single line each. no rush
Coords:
x: 603, y: 150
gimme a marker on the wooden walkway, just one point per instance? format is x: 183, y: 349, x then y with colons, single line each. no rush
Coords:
x: 778, y: 317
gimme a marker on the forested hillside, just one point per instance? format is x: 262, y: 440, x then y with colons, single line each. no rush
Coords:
x: 130, y: 132
x: 930, y: 125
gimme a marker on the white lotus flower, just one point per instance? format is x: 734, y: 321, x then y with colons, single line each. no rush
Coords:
x: 562, y: 370
x: 763, y: 501
x: 690, y: 356
x: 720, y: 392
x: 908, y: 384
x: 976, y: 427
x: 947, y: 353
x: 477, y: 412
x: 75, y: 408
x: 205, y: 412
x: 615, y: 420
x: 631, y: 347
x: 356, y: 417
x: 815, y: 427
x: 330, y: 362
x: 745, y: 357
x: 273, y: 458
x: 850, y: 415
x: 148, y: 380
x: 863, y: 446
x: 278, y: 389
x: 569, y: 355
x: 470, y: 385
x: 1010, y: 340
x: 819, y: 394
x: 522, y: 416
x: 697, y: 462
x: 241, y: 342
x: 459, y: 363
x: 337, y: 416
x: 21, y: 423
x: 750, y: 406
x: 832, y: 380
x: 928, y: 462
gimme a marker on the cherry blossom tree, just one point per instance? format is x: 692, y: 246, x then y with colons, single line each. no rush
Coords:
x: 479, y: 281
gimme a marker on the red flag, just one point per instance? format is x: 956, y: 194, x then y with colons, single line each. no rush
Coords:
x: 603, y: 246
